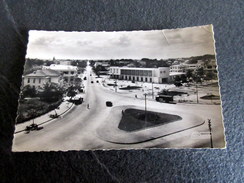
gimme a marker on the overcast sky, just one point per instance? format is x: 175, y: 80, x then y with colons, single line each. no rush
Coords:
x: 159, y: 44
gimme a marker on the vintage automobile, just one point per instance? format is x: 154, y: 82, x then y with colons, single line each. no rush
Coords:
x: 109, y: 104
x: 76, y: 100
x: 33, y: 127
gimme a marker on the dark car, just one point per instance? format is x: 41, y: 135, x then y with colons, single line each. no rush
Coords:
x: 33, y: 127
x: 97, y: 81
x: 53, y: 116
x: 92, y: 82
x: 109, y: 104
x: 77, y: 101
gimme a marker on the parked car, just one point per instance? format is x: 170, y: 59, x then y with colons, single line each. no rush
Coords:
x: 109, y: 104
x: 97, y: 81
x: 33, y: 127
x: 77, y: 100
x: 92, y: 82
x: 53, y: 116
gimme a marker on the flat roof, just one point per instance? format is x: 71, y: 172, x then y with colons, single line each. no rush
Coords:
x: 138, y: 68
x: 59, y: 67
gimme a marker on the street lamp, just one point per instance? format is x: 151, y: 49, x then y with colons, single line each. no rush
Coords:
x: 115, y: 85
x: 152, y: 91
x: 197, y: 93
x: 145, y: 107
x: 210, y: 131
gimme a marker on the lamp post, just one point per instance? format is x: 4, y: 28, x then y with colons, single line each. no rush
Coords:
x: 115, y: 85
x: 210, y: 132
x: 145, y: 107
x: 197, y: 93
x: 152, y: 91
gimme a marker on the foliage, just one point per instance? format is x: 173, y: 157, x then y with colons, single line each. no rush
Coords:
x: 51, y: 93
x: 209, y: 76
x: 32, y: 108
x: 71, y: 92
x: 28, y: 91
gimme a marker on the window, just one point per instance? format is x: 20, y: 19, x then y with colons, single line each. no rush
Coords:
x: 66, y: 72
x: 140, y: 73
x: 34, y: 80
x: 72, y: 72
x: 40, y: 80
x: 141, y: 78
x: 150, y: 79
x: 28, y: 80
x: 150, y: 73
x: 146, y: 79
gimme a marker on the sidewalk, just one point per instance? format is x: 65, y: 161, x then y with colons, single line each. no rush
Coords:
x: 63, y: 108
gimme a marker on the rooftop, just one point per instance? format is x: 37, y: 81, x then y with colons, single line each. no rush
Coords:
x: 138, y: 68
x: 59, y: 67
x: 44, y: 73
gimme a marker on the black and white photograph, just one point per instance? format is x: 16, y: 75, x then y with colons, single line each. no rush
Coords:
x: 120, y: 90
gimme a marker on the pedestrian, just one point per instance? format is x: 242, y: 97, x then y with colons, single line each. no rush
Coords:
x: 88, y: 107
x: 135, y: 96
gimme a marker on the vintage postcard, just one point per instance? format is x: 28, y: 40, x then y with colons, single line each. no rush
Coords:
x: 120, y: 90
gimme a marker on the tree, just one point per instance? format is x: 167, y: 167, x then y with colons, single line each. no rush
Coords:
x: 28, y: 91
x: 51, y: 93
x: 209, y: 76
x: 198, y: 75
x: 177, y: 79
x: 189, y: 75
x: 71, y: 92
x: 183, y: 78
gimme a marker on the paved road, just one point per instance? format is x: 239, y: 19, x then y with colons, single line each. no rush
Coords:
x: 78, y: 130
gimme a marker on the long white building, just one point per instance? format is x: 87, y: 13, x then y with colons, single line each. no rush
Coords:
x: 156, y: 75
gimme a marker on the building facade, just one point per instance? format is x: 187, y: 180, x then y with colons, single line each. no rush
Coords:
x: 68, y: 72
x: 177, y: 68
x: 155, y: 75
x: 39, y: 78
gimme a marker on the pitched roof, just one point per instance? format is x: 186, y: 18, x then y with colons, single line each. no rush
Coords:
x: 44, y: 73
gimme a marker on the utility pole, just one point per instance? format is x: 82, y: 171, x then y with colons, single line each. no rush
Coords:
x: 115, y: 85
x: 145, y: 107
x: 210, y: 132
x: 197, y: 93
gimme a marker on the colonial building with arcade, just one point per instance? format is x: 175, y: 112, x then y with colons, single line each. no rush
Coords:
x: 155, y: 75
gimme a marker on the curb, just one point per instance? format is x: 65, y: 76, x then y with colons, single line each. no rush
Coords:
x: 49, y: 119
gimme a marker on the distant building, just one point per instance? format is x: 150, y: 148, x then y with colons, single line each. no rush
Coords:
x: 193, y: 67
x: 211, y: 68
x: 177, y: 68
x: 156, y: 75
x: 182, y: 68
x: 39, y: 78
x: 68, y: 72
x: 102, y: 63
